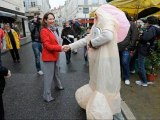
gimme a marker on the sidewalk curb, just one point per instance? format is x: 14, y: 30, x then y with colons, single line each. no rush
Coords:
x: 128, y: 115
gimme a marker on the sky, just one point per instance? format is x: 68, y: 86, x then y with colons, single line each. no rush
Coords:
x: 56, y: 3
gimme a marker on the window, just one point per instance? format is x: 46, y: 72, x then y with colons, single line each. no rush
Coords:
x: 95, y: 2
x: 24, y: 3
x: 80, y: 9
x: 33, y: 4
x: 85, y: 2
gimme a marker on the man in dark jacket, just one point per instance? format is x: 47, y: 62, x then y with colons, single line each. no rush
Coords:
x: 4, y: 73
x: 34, y: 27
x: 125, y: 47
x: 145, y: 43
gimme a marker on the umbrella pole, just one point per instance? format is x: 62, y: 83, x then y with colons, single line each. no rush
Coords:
x: 136, y: 13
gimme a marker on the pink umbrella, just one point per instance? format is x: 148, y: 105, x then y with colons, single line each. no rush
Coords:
x: 123, y: 22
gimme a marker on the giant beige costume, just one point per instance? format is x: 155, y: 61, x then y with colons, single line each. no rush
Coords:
x: 101, y: 97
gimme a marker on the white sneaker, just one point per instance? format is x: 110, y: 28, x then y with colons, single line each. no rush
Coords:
x: 133, y: 71
x: 40, y: 72
x: 144, y: 84
x: 127, y: 82
x: 139, y: 82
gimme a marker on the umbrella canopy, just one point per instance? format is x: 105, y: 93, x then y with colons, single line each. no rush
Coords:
x: 133, y: 7
x: 5, y: 19
x: 123, y: 22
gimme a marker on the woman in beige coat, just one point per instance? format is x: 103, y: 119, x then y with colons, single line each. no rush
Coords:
x: 101, y: 97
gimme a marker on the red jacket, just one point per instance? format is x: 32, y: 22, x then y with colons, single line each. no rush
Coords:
x: 1, y: 37
x: 51, y: 48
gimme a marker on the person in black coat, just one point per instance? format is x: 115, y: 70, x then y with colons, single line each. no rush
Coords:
x: 68, y: 37
x: 4, y: 73
x: 145, y: 44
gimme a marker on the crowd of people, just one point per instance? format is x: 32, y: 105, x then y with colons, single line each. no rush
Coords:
x: 140, y: 40
x: 100, y: 44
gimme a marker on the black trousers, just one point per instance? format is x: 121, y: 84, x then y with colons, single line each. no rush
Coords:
x: 1, y: 108
x: 68, y: 55
x: 14, y: 54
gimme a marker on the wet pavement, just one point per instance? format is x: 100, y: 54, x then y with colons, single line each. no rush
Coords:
x: 144, y: 102
x: 23, y: 92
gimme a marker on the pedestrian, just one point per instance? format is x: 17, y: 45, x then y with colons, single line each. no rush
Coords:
x: 101, y: 97
x: 68, y: 37
x: 77, y: 29
x: 2, y: 43
x: 34, y: 27
x: 12, y: 42
x: 125, y: 48
x: 4, y: 73
x: 16, y: 28
x: 50, y: 55
x: 147, y: 40
x: 85, y: 47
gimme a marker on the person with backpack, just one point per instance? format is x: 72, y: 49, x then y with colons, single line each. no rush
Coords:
x: 146, y: 43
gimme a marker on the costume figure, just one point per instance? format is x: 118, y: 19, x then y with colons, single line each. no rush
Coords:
x: 101, y: 97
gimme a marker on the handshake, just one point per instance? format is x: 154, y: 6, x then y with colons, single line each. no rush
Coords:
x: 66, y: 48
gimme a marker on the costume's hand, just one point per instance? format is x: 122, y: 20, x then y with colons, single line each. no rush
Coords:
x: 66, y: 48
x: 4, y: 48
x: 9, y: 74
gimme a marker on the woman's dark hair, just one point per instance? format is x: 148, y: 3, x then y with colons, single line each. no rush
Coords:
x: 152, y: 20
x: 45, y: 17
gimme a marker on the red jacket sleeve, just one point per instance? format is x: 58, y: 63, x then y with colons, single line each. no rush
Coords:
x: 45, y: 37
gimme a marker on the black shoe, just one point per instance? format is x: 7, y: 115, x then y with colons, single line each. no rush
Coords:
x: 14, y: 61
x: 59, y: 88
x: 68, y: 62
x: 18, y: 61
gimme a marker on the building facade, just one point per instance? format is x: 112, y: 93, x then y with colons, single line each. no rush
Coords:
x: 12, y: 11
x: 36, y: 6
x: 33, y: 7
x: 77, y: 9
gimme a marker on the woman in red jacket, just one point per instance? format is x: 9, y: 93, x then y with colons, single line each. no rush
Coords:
x: 50, y: 55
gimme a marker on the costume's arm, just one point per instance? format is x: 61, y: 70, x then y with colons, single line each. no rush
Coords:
x: 103, y: 38
x: 78, y: 44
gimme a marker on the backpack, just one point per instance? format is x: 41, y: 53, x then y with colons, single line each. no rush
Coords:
x: 154, y: 44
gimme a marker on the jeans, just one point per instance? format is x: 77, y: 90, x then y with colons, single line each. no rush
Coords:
x: 133, y: 61
x: 37, y: 49
x: 125, y: 60
x: 141, y: 68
